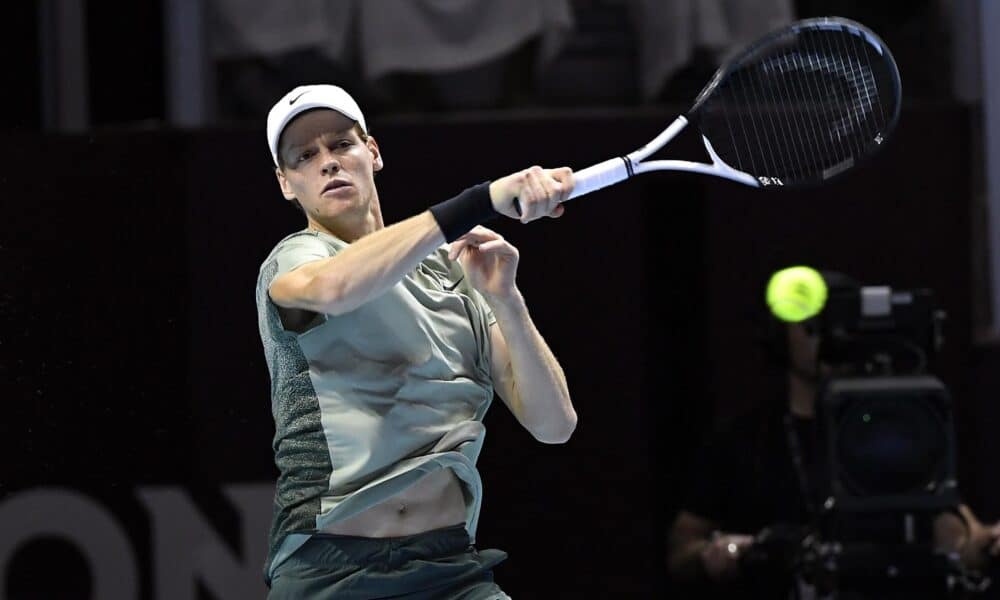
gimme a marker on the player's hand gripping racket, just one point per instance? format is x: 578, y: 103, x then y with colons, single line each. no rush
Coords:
x: 798, y: 107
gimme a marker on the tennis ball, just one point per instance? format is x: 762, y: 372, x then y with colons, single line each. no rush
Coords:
x: 796, y: 293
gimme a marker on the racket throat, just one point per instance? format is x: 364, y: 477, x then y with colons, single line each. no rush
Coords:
x: 718, y: 167
x: 659, y: 141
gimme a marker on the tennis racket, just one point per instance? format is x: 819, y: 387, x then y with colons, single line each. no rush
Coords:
x: 798, y: 107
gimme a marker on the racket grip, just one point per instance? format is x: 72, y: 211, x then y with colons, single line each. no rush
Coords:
x: 600, y: 176
x: 594, y: 178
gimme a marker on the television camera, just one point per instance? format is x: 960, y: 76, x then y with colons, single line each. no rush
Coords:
x: 887, y: 451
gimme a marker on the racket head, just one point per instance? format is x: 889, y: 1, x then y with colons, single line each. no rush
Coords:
x: 802, y: 105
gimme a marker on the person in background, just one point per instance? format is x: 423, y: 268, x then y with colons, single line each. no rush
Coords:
x: 758, y: 477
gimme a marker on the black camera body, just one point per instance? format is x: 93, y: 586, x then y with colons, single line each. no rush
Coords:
x: 876, y: 330
x: 886, y: 447
x: 886, y: 423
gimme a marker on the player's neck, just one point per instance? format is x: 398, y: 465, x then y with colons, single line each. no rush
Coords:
x: 348, y: 231
x: 801, y: 395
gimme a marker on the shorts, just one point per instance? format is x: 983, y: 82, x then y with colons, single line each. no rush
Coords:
x: 437, y: 564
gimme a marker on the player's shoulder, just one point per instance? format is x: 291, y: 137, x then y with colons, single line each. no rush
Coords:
x: 306, y: 239
x: 291, y: 251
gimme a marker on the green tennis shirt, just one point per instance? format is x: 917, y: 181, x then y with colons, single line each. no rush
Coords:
x: 368, y: 402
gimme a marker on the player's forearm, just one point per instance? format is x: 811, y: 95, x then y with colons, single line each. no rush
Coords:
x: 371, y: 265
x: 541, y: 396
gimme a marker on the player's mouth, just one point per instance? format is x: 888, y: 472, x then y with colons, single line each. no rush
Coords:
x: 335, y: 187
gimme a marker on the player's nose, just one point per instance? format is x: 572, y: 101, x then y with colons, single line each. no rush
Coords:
x: 330, y: 164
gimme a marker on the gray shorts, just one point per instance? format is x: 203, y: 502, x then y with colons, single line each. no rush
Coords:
x: 438, y: 564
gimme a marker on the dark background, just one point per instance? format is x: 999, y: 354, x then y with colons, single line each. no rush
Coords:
x: 129, y: 352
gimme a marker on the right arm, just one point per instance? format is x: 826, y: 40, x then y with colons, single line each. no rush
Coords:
x: 362, y: 271
x: 374, y: 263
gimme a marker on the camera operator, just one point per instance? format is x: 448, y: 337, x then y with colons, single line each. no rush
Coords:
x: 754, y: 492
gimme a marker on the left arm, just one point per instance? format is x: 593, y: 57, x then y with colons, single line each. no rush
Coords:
x: 526, y: 374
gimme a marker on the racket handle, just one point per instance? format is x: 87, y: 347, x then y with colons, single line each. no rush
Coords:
x: 600, y: 176
x: 595, y: 177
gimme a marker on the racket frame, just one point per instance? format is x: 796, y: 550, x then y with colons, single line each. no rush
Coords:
x: 618, y: 169
x: 615, y: 170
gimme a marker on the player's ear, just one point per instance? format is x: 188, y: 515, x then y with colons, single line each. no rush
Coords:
x: 376, y: 153
x: 286, y: 189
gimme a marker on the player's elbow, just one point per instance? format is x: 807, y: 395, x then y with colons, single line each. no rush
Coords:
x: 557, y: 432
x: 322, y: 293
x: 332, y: 293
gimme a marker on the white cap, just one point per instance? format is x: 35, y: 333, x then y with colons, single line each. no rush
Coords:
x: 307, y: 97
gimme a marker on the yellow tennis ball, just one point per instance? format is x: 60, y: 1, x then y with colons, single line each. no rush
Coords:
x: 796, y: 293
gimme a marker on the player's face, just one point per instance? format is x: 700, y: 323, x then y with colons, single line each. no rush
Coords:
x: 328, y: 166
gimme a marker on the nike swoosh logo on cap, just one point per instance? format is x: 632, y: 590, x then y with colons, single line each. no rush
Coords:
x: 292, y: 101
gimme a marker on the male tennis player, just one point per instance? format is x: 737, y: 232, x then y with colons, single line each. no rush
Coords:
x: 385, y: 345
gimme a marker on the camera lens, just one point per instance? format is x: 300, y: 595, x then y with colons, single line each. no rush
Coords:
x: 891, y: 445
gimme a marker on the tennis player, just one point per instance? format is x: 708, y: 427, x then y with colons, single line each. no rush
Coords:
x: 385, y: 345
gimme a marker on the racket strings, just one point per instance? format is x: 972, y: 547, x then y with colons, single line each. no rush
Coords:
x: 857, y: 103
x: 840, y: 144
x: 804, y: 109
